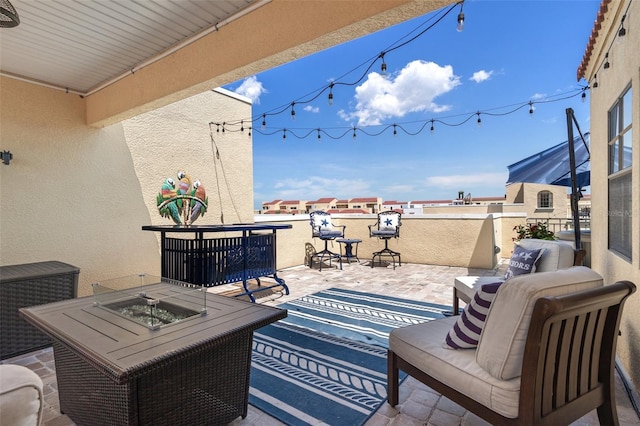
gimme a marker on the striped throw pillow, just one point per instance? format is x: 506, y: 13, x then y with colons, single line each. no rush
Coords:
x: 466, y: 331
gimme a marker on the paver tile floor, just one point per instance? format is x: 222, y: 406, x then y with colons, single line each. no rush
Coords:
x: 419, y: 405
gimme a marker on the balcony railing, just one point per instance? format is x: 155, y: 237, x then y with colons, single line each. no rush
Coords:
x: 559, y: 224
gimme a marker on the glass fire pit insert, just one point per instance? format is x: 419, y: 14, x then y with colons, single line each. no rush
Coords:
x: 135, y: 298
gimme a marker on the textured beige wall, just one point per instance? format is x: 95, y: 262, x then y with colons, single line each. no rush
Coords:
x: 452, y: 240
x: 71, y: 193
x: 177, y: 137
x: 80, y: 195
x: 527, y: 194
x: 624, y: 70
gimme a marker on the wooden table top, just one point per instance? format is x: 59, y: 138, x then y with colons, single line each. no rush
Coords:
x: 123, y: 348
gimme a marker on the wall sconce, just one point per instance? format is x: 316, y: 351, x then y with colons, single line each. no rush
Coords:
x: 6, y: 157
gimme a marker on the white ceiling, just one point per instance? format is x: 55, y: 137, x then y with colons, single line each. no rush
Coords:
x: 82, y: 45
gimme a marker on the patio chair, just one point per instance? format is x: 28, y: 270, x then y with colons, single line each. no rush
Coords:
x: 555, y: 255
x: 387, y: 227
x: 323, y: 228
x: 546, y: 353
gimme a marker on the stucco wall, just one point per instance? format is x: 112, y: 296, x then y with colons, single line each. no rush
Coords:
x: 527, y: 194
x: 80, y: 195
x: 71, y: 193
x: 453, y: 240
x: 624, y: 70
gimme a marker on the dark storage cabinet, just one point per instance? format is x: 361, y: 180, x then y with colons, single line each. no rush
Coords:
x: 31, y: 284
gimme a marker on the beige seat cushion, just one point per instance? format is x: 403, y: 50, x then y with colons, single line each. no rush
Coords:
x: 21, y: 399
x: 421, y: 346
x: 556, y: 255
x: 501, y: 346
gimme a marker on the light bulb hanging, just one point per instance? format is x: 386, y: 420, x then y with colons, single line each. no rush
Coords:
x: 242, y: 126
x: 249, y: 130
x: 264, y: 121
x: 383, y: 67
x: 395, y: 132
x: 595, y: 81
x: 530, y: 109
x: 318, y: 135
x: 584, y: 96
x: 284, y: 135
x: 460, y: 26
x: 354, y: 134
x: 606, y: 61
x: 622, y: 31
x: 293, y: 112
x: 331, y: 94
x: 479, y: 119
x: 432, y: 128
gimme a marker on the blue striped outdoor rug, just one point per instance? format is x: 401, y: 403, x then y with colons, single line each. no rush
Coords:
x: 327, y: 361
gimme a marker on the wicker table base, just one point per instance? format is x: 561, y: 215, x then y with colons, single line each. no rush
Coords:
x: 209, y: 387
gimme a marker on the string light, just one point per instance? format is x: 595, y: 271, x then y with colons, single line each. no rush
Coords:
x: 622, y: 32
x: 284, y: 135
x: 293, y: 112
x: 241, y: 126
x: 606, y: 61
x: 264, y: 121
x: 595, y: 81
x: 460, y: 26
x: 436, y: 18
x: 383, y: 67
x: 422, y: 124
x: 354, y: 134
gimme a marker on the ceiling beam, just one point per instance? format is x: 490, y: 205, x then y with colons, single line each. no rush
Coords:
x: 276, y: 33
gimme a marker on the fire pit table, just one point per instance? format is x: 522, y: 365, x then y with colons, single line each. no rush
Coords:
x: 118, y: 364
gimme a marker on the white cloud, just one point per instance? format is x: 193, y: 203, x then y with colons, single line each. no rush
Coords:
x: 480, y: 76
x: 312, y: 109
x: 252, y: 89
x: 413, y: 89
x: 538, y: 96
x: 467, y: 181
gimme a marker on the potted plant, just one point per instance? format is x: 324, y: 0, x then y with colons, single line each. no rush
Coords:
x: 538, y: 230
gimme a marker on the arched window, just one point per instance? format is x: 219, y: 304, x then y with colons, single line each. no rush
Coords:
x: 545, y: 200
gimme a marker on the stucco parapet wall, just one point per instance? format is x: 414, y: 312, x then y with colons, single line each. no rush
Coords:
x: 300, y: 217
x: 233, y: 95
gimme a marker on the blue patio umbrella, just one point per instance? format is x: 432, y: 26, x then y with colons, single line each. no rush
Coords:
x: 552, y: 166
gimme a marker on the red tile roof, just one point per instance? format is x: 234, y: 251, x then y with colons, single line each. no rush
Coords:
x: 364, y: 200
x: 592, y: 39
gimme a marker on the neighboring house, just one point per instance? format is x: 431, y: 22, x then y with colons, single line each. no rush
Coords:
x: 369, y: 204
x: 270, y: 206
x: 539, y: 200
x: 610, y: 65
x: 324, y: 204
x: 292, y: 206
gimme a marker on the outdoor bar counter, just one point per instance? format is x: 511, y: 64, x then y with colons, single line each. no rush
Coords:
x: 211, y: 261
x: 114, y: 370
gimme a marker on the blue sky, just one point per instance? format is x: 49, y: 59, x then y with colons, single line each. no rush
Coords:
x: 510, y: 53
